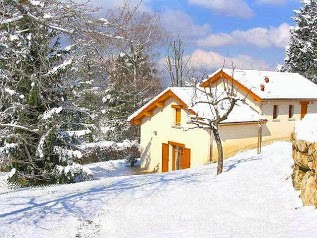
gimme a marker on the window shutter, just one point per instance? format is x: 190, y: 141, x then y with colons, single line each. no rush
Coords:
x: 165, y: 156
x: 178, y: 117
x: 186, y: 164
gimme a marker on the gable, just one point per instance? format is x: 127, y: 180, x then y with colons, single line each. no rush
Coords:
x: 229, y: 80
x: 158, y: 102
x: 266, y: 85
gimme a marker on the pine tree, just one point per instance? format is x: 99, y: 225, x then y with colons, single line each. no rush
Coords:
x: 133, y: 75
x: 35, y: 116
x: 301, y: 54
x: 132, y: 82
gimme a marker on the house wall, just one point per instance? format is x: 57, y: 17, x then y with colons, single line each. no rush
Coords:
x: 162, y: 122
x: 236, y: 138
x: 160, y: 128
x: 243, y: 95
x: 282, y: 126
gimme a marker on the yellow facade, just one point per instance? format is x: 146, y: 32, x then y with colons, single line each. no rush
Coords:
x: 161, y: 128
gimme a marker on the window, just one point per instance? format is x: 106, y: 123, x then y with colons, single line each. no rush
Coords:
x: 290, y: 111
x: 177, y: 118
x: 275, y: 112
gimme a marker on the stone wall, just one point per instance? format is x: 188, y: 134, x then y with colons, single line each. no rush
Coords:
x: 304, y: 171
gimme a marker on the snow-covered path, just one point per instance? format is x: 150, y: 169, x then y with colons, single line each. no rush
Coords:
x: 254, y: 197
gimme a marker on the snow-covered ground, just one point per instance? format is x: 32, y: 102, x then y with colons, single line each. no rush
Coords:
x: 112, y: 168
x: 254, y: 197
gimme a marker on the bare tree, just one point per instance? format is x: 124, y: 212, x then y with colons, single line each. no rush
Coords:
x: 131, y: 64
x: 219, y: 102
x: 176, y: 65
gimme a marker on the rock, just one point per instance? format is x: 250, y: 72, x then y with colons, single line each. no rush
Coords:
x: 293, y: 137
x: 297, y: 177
x: 311, y: 149
x: 309, y: 189
x: 301, y: 159
x: 305, y: 164
x: 301, y: 146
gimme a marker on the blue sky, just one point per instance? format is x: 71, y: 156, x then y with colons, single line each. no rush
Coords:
x: 251, y: 34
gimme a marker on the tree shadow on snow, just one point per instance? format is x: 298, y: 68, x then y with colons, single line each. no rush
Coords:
x: 89, y: 202
x: 233, y: 163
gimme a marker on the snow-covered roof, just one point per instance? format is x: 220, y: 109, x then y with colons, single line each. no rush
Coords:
x: 137, y: 112
x: 240, y: 113
x: 188, y: 95
x: 280, y: 85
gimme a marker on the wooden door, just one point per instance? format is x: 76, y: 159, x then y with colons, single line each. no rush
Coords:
x: 303, y: 109
x: 165, y: 155
x: 186, y: 162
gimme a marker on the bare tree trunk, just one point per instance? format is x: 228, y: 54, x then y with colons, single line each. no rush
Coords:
x: 177, y: 67
x: 216, y: 134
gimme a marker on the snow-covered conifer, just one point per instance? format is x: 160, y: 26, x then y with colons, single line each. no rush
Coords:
x: 133, y: 75
x: 34, y: 110
x: 301, y: 53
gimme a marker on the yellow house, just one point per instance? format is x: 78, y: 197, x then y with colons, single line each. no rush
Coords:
x: 274, y: 101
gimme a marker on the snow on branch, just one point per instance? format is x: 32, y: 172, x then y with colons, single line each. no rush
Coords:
x: 60, y: 67
x: 10, y: 20
x: 36, y: 131
x: 48, y: 114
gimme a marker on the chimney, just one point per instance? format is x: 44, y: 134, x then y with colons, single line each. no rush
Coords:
x: 266, y: 79
x: 262, y: 86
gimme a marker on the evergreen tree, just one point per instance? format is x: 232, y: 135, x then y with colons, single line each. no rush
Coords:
x: 35, y: 116
x: 301, y: 54
x: 132, y: 82
x: 133, y: 76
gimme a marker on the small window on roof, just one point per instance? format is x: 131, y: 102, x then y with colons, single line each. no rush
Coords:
x: 290, y: 111
x: 178, y: 118
x: 275, y: 112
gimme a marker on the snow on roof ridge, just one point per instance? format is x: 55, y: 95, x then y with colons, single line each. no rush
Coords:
x: 133, y: 115
x: 172, y: 88
x: 256, y: 70
x: 281, y: 85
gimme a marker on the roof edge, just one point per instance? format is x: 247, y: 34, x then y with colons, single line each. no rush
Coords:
x: 146, y: 110
x: 220, y: 74
x: 261, y: 121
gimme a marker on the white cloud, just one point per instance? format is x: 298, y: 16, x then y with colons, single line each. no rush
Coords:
x: 210, y: 59
x: 237, y: 8
x: 181, y: 24
x: 261, y: 37
x: 217, y: 40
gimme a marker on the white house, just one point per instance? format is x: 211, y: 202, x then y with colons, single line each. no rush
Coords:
x: 273, y: 102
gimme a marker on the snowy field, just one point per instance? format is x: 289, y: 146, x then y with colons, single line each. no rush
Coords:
x: 254, y: 197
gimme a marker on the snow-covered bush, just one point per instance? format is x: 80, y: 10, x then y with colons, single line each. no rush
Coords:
x: 72, y: 173
x: 108, y: 150
x: 132, y: 160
